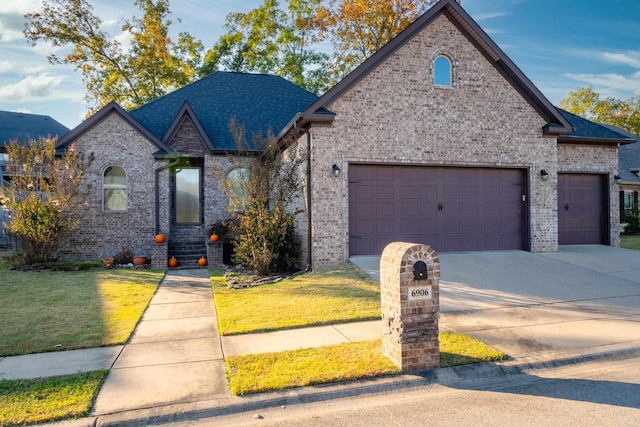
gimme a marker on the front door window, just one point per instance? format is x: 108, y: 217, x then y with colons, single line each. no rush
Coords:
x: 188, y: 195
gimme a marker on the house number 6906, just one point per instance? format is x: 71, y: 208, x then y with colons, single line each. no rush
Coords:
x: 419, y: 293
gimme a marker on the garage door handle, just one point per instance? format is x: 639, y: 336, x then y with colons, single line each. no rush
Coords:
x: 566, y: 206
x: 440, y: 206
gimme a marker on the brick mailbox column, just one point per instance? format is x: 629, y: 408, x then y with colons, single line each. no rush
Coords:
x: 410, y: 296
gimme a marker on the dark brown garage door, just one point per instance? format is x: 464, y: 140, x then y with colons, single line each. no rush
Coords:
x: 451, y: 209
x: 581, y: 209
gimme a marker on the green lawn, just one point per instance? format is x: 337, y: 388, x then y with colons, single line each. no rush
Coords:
x: 38, y: 401
x: 257, y: 373
x: 47, y: 311
x: 343, y: 294
x: 630, y: 242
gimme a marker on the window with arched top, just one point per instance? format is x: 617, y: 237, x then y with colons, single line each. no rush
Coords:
x: 237, y: 181
x: 114, y: 189
x: 442, y: 74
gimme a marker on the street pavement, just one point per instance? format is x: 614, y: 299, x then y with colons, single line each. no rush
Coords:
x: 580, y: 303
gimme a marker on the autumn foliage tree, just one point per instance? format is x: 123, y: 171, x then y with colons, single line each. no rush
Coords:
x: 153, y: 66
x: 587, y: 103
x: 273, y: 39
x: 359, y: 28
x: 262, y: 202
x: 42, y: 195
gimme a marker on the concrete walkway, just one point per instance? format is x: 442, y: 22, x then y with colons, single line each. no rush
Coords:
x: 174, y: 355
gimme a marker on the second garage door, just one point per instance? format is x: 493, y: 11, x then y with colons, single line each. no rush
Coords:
x: 581, y: 209
x: 451, y: 209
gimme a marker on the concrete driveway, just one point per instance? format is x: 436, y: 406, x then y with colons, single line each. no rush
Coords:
x: 582, y: 298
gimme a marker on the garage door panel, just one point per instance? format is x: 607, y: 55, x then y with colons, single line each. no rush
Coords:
x: 409, y: 209
x: 385, y: 226
x: 581, y: 209
x: 471, y: 225
x: 383, y: 209
x: 451, y: 209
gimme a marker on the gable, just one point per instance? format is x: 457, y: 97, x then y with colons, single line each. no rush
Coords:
x: 464, y: 25
x: 103, y: 114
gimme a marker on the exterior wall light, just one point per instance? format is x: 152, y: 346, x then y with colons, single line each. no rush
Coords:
x: 617, y: 179
x: 335, y: 170
x: 544, y: 174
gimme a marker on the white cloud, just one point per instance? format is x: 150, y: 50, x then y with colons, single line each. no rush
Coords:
x: 631, y: 58
x: 611, y: 84
x: 19, y: 6
x: 5, y: 66
x: 30, y: 87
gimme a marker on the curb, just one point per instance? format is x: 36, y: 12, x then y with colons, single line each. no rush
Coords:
x: 466, y: 376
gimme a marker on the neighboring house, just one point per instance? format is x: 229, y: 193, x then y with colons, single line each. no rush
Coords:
x: 20, y: 127
x: 629, y: 172
x: 438, y: 138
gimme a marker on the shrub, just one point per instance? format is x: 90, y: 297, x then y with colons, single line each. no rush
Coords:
x: 42, y: 195
x: 633, y: 223
x: 263, y: 204
x: 125, y: 256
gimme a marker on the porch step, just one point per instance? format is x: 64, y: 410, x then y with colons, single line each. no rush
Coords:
x: 187, y: 252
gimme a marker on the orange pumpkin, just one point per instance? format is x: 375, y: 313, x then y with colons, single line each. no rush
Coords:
x: 173, y: 262
x: 202, y: 261
x: 214, y: 237
x: 161, y: 238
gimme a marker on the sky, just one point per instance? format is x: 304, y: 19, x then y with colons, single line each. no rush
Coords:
x: 560, y: 45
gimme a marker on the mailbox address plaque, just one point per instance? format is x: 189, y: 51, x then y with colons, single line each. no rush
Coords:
x: 419, y: 293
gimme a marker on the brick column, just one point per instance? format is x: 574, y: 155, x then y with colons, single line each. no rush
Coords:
x: 410, y: 306
x: 159, y: 254
x: 214, y: 253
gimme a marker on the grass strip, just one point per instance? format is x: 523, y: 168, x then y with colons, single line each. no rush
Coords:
x: 459, y: 349
x: 50, y: 399
x: 342, y: 294
x: 258, y: 373
x: 47, y: 311
x: 630, y: 242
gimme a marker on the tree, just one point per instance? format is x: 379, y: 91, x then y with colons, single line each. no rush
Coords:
x: 42, y: 195
x: 273, y: 40
x: 152, y: 67
x: 359, y: 28
x: 262, y: 204
x: 586, y: 102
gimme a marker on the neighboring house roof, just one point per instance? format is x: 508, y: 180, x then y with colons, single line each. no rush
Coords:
x: 557, y: 124
x: 628, y: 157
x: 586, y: 131
x: 22, y: 126
x: 111, y: 107
x: 258, y: 102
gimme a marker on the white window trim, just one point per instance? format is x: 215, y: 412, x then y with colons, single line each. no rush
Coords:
x: 126, y: 188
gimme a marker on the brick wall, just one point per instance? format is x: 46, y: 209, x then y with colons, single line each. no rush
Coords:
x: 102, y: 234
x: 395, y: 115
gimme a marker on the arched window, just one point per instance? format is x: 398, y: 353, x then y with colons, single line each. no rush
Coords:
x: 114, y: 189
x: 237, y: 181
x: 442, y: 75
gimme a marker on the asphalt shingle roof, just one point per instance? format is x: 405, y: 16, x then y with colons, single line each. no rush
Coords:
x: 259, y: 102
x: 628, y: 156
x: 584, y: 128
x: 22, y: 126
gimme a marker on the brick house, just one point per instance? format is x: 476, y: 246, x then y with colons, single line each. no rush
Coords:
x: 438, y: 138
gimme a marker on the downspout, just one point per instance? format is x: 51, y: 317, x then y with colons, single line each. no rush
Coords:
x: 158, y: 170
x: 309, y: 210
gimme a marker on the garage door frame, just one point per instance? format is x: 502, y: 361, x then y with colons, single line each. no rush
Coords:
x: 526, y: 203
